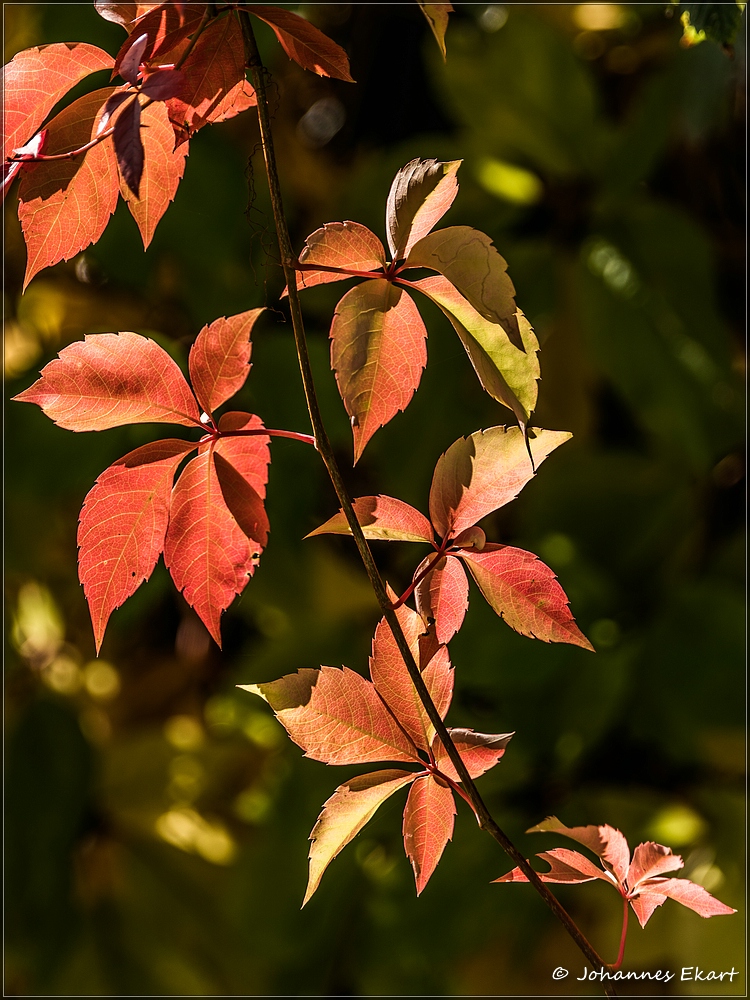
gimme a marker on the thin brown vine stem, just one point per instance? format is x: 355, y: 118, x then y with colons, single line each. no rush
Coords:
x: 288, y: 261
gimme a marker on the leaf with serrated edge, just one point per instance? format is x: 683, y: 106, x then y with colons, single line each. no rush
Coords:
x: 339, y: 244
x: 479, y: 751
x: 565, y: 867
x: 420, y: 195
x: 110, y: 379
x: 250, y: 455
x: 383, y: 519
x: 220, y: 358
x: 605, y: 841
x: 395, y: 686
x: 428, y: 826
x: 471, y: 263
x: 166, y: 26
x: 442, y: 596
x: 508, y: 374
x: 123, y: 14
x: 437, y: 18
x: 208, y: 555
x: 243, y: 502
x: 214, y: 86
x: 65, y: 205
x: 525, y: 593
x: 695, y: 897
x: 304, y: 43
x: 649, y: 860
x: 378, y: 353
x: 336, y: 716
x: 36, y: 79
x: 163, y: 168
x: 482, y: 472
x: 351, y: 806
x: 128, y: 146
x: 122, y: 526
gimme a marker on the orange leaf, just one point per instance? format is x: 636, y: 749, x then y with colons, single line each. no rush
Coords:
x: 428, y: 826
x: 65, y: 205
x: 420, y: 195
x: 305, y: 43
x: 220, y: 358
x: 442, y: 596
x: 340, y: 244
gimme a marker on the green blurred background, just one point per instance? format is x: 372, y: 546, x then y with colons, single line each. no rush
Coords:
x: 157, y: 818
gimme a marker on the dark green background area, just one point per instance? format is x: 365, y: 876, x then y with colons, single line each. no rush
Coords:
x: 626, y: 247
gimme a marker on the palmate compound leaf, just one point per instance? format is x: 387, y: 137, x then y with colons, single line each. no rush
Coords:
x: 122, y: 526
x: 220, y: 358
x: 163, y: 168
x: 420, y: 195
x: 111, y: 379
x: 507, y: 373
x: 470, y: 262
x: 65, y: 205
x: 639, y: 882
x: 37, y: 78
x: 214, y: 87
x: 378, y: 353
x: 304, y: 43
x: 339, y: 717
x: 481, y: 473
x: 523, y: 591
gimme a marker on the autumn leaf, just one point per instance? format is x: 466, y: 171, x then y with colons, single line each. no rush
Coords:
x: 128, y: 146
x: 220, y: 359
x: 378, y: 353
x: 122, y: 526
x: 212, y: 523
x: 304, y: 43
x: 340, y: 717
x: 163, y: 168
x: 214, y: 87
x: 420, y: 195
x: 164, y: 26
x: 640, y: 882
x: 65, y: 205
x: 124, y: 14
x: 437, y: 18
x: 36, y: 79
x: 346, y: 245
x: 476, y: 476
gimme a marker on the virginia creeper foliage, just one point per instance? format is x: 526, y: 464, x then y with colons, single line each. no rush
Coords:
x: 640, y: 880
x: 339, y: 717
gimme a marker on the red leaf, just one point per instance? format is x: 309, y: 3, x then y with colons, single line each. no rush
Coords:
x: 249, y: 455
x: 395, y: 686
x: 420, y: 195
x: 443, y: 596
x: 65, y: 204
x: 382, y: 518
x: 525, y: 592
x: 378, y: 352
x: 483, y: 472
x: 479, y: 751
x: 428, y: 826
x: 162, y: 171
x: 565, y: 866
x: 695, y: 897
x: 649, y: 860
x: 220, y: 358
x: 304, y: 43
x: 36, y: 79
x: 166, y: 26
x: 214, y: 86
x: 244, y: 503
x: 123, y: 14
x: 351, y: 806
x: 335, y: 716
x: 163, y: 84
x: 437, y: 18
x: 128, y: 146
x: 122, y: 526
x: 605, y: 841
x: 110, y: 379
x: 207, y: 553
x: 131, y: 62
x: 340, y: 244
